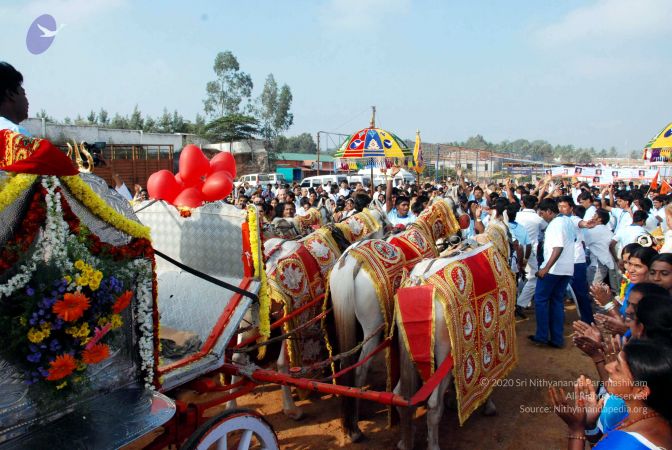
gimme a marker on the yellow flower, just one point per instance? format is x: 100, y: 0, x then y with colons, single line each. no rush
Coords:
x: 98, y: 276
x: 68, y: 279
x: 15, y: 186
x: 62, y: 385
x: 81, y: 332
x: 115, y: 321
x: 35, y: 336
x: 46, y: 328
x: 81, y: 366
x: 82, y: 192
x: 94, y: 285
x: 79, y: 264
x: 103, y: 321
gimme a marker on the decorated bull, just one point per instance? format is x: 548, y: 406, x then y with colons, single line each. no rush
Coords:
x: 455, y: 318
x: 363, y: 284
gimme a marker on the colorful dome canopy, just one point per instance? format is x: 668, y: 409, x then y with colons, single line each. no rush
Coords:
x: 374, y: 147
x: 659, y: 149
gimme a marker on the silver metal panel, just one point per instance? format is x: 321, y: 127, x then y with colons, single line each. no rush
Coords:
x: 105, y: 422
x: 209, y: 241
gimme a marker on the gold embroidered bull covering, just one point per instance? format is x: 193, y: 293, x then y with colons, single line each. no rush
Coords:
x: 478, y: 294
x: 308, y: 223
x: 385, y: 262
x: 302, y: 276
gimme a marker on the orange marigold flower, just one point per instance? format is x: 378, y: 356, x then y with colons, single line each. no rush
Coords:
x: 61, y: 367
x: 122, y: 302
x: 72, y: 306
x: 96, y: 353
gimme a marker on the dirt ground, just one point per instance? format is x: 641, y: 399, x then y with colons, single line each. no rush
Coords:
x: 521, y: 421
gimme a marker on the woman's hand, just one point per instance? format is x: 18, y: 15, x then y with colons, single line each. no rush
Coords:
x: 590, y: 331
x: 600, y: 293
x: 586, y: 391
x: 612, y: 324
x: 590, y: 347
x: 573, y: 415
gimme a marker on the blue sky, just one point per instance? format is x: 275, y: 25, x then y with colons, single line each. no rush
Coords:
x: 589, y: 73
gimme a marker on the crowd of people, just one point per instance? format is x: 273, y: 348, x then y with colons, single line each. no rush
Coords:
x: 600, y: 246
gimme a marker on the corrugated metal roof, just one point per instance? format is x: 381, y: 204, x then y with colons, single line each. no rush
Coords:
x: 304, y: 157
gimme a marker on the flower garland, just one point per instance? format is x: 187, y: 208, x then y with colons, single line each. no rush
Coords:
x: 73, y: 313
x: 11, y: 189
x: 260, y: 272
x: 93, y: 202
x: 27, y: 232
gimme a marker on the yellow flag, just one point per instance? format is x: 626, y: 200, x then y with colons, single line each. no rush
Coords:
x: 417, y: 154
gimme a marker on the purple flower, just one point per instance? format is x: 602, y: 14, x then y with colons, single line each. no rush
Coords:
x: 44, y: 372
x: 30, y: 291
x: 54, y: 345
x: 34, y: 357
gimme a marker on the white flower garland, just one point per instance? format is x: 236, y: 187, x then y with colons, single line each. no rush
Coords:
x: 52, y: 243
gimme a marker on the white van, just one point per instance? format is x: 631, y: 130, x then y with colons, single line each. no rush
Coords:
x: 404, y: 176
x: 323, y: 180
x: 276, y: 178
x: 253, y: 179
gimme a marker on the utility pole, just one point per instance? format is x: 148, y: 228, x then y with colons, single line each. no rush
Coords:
x: 318, y: 153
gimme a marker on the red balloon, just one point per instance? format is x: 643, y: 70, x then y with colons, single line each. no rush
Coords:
x: 190, y: 197
x: 223, y: 161
x: 162, y: 185
x: 217, y: 186
x: 178, y: 178
x: 193, y: 165
x: 464, y: 221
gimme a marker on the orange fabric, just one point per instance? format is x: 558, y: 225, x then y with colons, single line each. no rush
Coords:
x: 654, y: 182
x: 665, y: 188
x: 19, y: 153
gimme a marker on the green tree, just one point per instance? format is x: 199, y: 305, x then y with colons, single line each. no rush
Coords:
x: 302, y: 143
x: 165, y: 123
x: 477, y: 142
x: 103, y: 117
x: 225, y: 94
x: 283, y: 117
x: 231, y: 128
x: 150, y: 125
x: 612, y: 152
x: 43, y: 115
x: 91, y: 118
x: 177, y: 123
x: 136, y: 122
x: 603, y: 153
x: 119, y: 122
x: 79, y: 120
x: 67, y: 121
x: 636, y: 154
x: 268, y: 106
x: 198, y: 127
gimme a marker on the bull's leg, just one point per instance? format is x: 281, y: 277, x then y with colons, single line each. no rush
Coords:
x: 407, y: 386
x: 288, y: 406
x: 435, y: 404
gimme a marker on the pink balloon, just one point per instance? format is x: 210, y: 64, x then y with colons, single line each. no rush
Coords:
x: 162, y: 185
x: 190, y: 197
x: 223, y: 161
x: 193, y: 164
x: 217, y: 186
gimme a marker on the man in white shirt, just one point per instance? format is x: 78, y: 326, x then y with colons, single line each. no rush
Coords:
x: 621, y: 214
x: 579, y: 281
x: 534, y: 225
x: 13, y: 100
x: 586, y: 200
x: 345, y: 189
x: 597, y: 241
x: 628, y: 235
x: 553, y: 276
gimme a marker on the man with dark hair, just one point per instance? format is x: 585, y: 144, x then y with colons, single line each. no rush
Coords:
x: 13, y: 100
x: 400, y: 214
x: 362, y: 200
x: 628, y: 235
x: 534, y: 225
x: 597, y: 242
x: 621, y: 214
x: 553, y: 276
x: 585, y: 199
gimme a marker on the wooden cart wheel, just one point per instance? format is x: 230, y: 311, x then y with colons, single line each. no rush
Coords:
x: 239, y: 429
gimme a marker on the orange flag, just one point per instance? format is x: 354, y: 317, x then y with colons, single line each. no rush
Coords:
x: 665, y: 188
x: 654, y: 182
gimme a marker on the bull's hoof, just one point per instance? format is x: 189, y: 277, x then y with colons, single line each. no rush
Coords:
x: 490, y: 409
x: 294, y: 414
x: 354, y: 436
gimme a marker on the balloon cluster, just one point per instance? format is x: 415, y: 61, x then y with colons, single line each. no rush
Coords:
x: 199, y: 179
